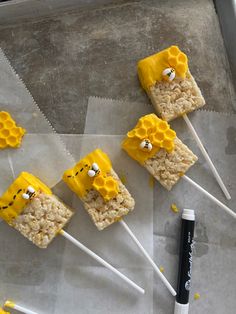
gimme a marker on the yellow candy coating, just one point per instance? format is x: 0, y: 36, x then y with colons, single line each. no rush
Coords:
x: 10, y: 134
x: 152, y: 129
x: 81, y: 183
x: 151, y: 68
x: 3, y: 312
x: 12, y: 202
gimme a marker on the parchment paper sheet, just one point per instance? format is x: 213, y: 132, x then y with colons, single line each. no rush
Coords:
x: 214, y: 261
x: 40, y: 152
x: 62, y: 279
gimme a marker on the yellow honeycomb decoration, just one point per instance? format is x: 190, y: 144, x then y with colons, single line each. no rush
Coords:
x: 156, y: 131
x: 10, y: 134
x: 150, y: 69
x: 81, y: 183
x: 106, y: 186
x: 12, y: 203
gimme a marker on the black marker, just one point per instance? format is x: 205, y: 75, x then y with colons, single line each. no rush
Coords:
x: 185, y: 261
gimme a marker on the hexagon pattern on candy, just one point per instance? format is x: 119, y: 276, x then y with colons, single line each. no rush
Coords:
x: 10, y: 134
x: 164, y: 65
x: 149, y: 135
x: 92, y: 172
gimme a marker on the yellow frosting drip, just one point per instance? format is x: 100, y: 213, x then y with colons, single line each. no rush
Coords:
x: 10, y: 134
x: 150, y: 69
x: 12, y: 203
x: 151, y: 128
x: 80, y: 182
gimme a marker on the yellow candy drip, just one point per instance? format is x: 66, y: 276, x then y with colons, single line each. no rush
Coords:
x: 81, y: 183
x: 151, y: 68
x: 152, y: 129
x: 10, y: 134
x: 12, y: 202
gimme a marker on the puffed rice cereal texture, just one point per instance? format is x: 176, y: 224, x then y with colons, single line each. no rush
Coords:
x: 167, y: 168
x: 105, y: 213
x: 175, y: 98
x: 42, y: 218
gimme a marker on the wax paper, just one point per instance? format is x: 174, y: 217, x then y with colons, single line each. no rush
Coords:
x: 62, y: 278
x: 98, y: 290
x: 42, y: 151
x: 214, y: 261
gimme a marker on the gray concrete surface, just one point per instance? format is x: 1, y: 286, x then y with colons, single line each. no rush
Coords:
x: 68, y: 57
x: 226, y: 11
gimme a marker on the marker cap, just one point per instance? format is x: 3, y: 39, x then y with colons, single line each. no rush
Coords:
x: 181, y: 308
x: 188, y: 214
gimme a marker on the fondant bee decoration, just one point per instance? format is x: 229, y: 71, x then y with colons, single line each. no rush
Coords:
x: 169, y: 74
x: 146, y: 145
x: 94, y: 171
x: 30, y: 193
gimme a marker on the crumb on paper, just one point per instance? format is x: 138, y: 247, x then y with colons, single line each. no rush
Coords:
x: 174, y: 208
x: 34, y: 114
x: 162, y: 269
x: 196, y: 296
x: 123, y: 178
x: 151, y: 182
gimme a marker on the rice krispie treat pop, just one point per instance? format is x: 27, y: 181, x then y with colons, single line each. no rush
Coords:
x: 166, y: 78
x: 30, y: 207
x: 105, y: 197
x: 156, y: 147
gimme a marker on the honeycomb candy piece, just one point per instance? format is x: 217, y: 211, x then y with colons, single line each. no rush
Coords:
x: 106, y: 186
x: 91, y: 172
x: 19, y: 194
x: 150, y: 69
x: 10, y: 134
x: 177, y: 60
x: 154, y: 132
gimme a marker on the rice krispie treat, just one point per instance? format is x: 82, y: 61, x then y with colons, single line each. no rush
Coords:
x: 95, y: 182
x: 30, y: 207
x: 155, y: 146
x: 169, y: 84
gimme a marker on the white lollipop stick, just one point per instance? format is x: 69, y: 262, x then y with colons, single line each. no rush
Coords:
x: 17, y: 307
x: 149, y: 259
x: 206, y: 156
x: 213, y: 198
x: 100, y: 260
